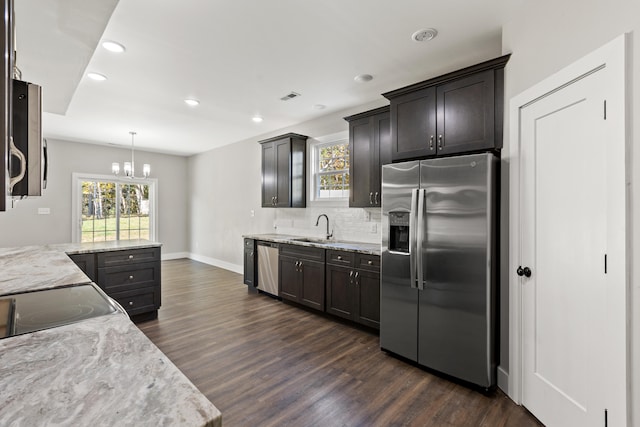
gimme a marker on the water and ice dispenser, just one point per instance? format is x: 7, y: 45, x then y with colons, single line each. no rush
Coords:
x: 399, y: 232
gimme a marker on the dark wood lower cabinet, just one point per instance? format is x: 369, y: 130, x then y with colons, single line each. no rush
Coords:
x: 250, y: 263
x: 130, y: 276
x: 301, y: 275
x: 354, y: 293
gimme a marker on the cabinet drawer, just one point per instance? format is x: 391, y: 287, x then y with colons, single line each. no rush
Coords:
x: 306, y: 252
x: 368, y: 262
x: 129, y: 256
x: 138, y: 302
x: 129, y: 277
x: 340, y: 258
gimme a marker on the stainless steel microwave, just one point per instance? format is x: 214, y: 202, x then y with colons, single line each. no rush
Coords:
x: 27, y: 150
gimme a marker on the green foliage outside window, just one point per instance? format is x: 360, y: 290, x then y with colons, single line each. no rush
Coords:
x: 114, y: 211
x: 332, y: 171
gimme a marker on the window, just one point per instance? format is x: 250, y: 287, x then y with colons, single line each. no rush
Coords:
x: 109, y: 209
x: 330, y: 169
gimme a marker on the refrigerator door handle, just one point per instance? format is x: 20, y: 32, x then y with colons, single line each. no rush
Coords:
x: 412, y: 237
x: 421, y: 226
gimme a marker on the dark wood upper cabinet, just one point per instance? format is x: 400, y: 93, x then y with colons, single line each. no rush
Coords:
x: 458, y: 112
x: 369, y: 148
x: 6, y: 89
x: 284, y: 171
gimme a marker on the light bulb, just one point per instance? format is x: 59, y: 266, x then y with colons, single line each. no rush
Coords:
x: 128, y: 170
x: 146, y: 170
x: 115, y: 168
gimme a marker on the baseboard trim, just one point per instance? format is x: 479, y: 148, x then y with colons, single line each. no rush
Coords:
x: 174, y: 255
x: 503, y: 380
x: 217, y: 263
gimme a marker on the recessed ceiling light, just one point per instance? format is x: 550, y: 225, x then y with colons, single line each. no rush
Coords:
x: 363, y: 78
x: 112, y: 46
x: 319, y: 106
x: 97, y: 76
x: 257, y: 119
x: 192, y: 102
x: 424, y: 35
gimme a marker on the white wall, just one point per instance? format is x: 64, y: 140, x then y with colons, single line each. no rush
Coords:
x: 226, y: 188
x: 546, y: 36
x: 23, y: 226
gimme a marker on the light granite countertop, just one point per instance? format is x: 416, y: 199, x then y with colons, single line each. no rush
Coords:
x: 360, y: 247
x: 97, y: 372
x: 30, y: 268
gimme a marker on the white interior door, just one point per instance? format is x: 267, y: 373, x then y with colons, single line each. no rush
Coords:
x: 564, y: 243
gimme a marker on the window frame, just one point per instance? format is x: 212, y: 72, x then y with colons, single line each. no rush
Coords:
x: 76, y: 201
x: 314, y: 145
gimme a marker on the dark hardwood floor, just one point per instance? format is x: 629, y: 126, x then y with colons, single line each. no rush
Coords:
x: 266, y: 363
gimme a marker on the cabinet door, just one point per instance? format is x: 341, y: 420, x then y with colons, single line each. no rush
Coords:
x: 466, y: 114
x: 249, y: 262
x: 269, y: 174
x: 289, y: 278
x: 283, y: 174
x: 87, y: 263
x: 413, y: 125
x: 360, y: 154
x: 312, y: 284
x: 340, y: 287
x: 367, y: 298
x: 381, y: 155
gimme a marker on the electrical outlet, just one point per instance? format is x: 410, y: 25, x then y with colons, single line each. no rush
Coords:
x: 252, y: 213
x: 367, y: 215
x: 373, y: 228
x: 44, y: 211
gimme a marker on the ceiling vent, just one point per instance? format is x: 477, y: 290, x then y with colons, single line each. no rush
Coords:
x: 289, y: 96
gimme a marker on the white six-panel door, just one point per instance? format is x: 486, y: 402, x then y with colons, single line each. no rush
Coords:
x: 570, y: 307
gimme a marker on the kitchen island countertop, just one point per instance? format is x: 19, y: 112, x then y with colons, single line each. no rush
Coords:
x: 101, y: 371
x: 30, y: 268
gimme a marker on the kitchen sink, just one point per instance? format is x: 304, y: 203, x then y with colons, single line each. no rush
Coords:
x: 313, y: 240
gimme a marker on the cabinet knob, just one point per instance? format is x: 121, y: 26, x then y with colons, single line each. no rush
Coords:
x: 130, y: 277
x: 431, y: 142
x: 130, y: 256
x: 370, y: 262
x: 371, y: 198
x: 339, y: 257
x: 130, y: 303
x: 376, y: 198
x: 351, y: 277
x: 440, y: 142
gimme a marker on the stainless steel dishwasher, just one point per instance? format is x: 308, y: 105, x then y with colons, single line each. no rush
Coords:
x: 268, y: 268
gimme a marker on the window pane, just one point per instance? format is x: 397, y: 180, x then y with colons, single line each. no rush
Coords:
x: 332, y: 170
x: 103, y: 220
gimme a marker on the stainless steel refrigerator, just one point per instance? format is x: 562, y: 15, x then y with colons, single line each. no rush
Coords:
x: 439, y: 265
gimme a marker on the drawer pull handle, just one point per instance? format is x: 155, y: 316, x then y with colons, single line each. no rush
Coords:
x: 339, y: 257
x: 370, y: 262
x: 130, y: 277
x: 131, y: 303
x: 130, y: 256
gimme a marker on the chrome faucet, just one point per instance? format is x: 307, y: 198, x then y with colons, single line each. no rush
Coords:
x: 327, y: 218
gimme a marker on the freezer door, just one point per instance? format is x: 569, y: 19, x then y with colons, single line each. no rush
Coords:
x: 456, y: 307
x: 399, y: 294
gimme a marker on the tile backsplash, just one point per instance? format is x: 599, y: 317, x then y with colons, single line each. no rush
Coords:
x: 351, y: 224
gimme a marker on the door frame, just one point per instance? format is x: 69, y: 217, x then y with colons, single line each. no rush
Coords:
x: 611, y: 58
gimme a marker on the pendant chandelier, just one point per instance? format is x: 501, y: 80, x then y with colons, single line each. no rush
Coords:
x: 129, y: 167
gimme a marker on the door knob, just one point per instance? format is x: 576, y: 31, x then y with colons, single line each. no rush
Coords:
x: 523, y: 271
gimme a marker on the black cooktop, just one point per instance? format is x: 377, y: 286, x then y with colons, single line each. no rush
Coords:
x: 33, y: 311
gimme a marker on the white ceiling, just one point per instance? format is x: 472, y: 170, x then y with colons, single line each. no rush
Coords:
x: 237, y: 57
